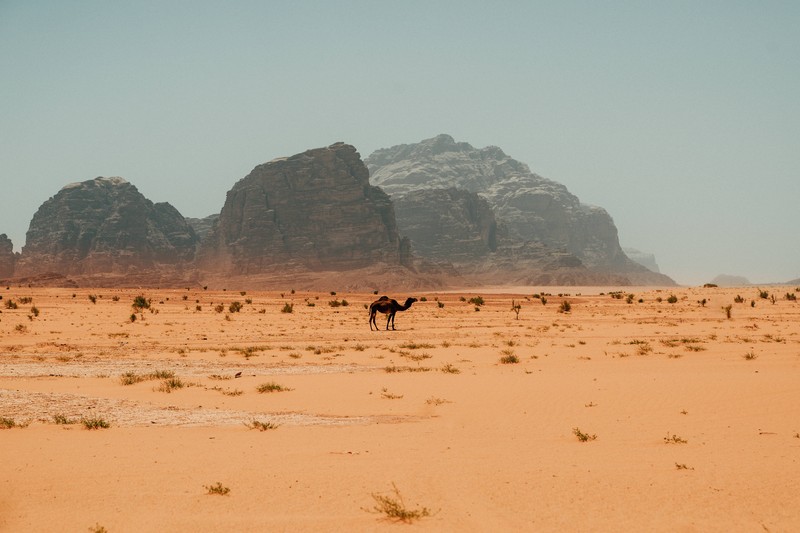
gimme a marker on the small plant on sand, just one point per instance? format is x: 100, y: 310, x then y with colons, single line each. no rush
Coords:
x: 516, y: 307
x: 11, y: 304
x: 672, y: 299
x: 565, y: 307
x: 261, y: 426
x: 169, y: 385
x: 63, y: 420
x: 7, y: 423
x: 287, y: 308
x: 738, y: 299
x: 477, y: 301
x: 95, y: 423
x: 674, y: 439
x: 140, y: 302
x: 509, y: 358
x: 450, y: 369
x: 130, y: 378
x: 271, y: 387
x: 235, y: 307
x: 440, y: 304
x: 394, y: 508
x: 93, y: 298
x: 749, y: 356
x: 727, y: 310
x: 682, y: 466
x: 583, y: 437
x: 543, y: 300
x: 763, y: 294
x: 217, y: 489
x: 97, y: 528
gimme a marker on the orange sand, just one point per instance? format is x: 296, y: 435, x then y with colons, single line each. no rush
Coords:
x: 691, y: 435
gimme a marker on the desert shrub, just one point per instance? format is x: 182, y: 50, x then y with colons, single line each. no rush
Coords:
x: 95, y: 423
x: 93, y: 298
x: 235, y: 307
x: 261, y: 426
x: 35, y: 311
x: 672, y: 299
x: 727, y: 310
x: 565, y: 307
x: 509, y: 359
x: 217, y: 489
x: 271, y: 387
x: 25, y: 300
x: 763, y: 294
x: 395, y: 509
x: 11, y: 304
x: 140, y: 302
x: 791, y: 296
x: 583, y: 437
x: 440, y: 304
x: 738, y: 299
x: 477, y: 300
x: 63, y: 419
x: 219, y: 308
x: 287, y: 308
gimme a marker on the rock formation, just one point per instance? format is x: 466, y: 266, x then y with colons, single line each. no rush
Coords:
x: 529, y: 208
x: 7, y: 257
x: 447, y: 224
x: 315, y: 210
x: 104, y: 226
x: 202, y: 226
x: 645, y: 259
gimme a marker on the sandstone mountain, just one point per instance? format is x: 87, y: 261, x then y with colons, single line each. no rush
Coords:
x: 537, y: 219
x: 104, y: 226
x: 7, y: 257
x: 311, y: 211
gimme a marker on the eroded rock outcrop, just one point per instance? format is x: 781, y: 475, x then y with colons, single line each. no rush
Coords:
x: 315, y: 210
x: 105, y: 226
x: 7, y: 257
x: 529, y: 208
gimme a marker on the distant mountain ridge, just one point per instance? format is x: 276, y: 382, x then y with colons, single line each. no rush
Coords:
x: 474, y: 216
x: 528, y: 208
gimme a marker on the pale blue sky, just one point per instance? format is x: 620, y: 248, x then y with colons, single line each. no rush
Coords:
x: 682, y: 119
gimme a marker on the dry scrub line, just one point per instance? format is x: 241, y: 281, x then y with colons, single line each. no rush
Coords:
x: 44, y: 406
x: 106, y: 368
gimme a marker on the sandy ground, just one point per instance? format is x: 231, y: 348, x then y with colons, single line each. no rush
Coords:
x: 692, y: 419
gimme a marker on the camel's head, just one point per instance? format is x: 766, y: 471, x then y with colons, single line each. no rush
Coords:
x: 411, y: 301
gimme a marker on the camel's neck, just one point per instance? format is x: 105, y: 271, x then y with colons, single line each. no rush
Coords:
x: 407, y: 304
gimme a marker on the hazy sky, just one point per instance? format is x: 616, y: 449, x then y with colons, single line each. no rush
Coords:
x: 682, y: 119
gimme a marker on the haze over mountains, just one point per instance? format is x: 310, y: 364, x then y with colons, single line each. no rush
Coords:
x: 434, y: 213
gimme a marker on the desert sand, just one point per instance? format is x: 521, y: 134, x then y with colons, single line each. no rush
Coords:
x: 690, y: 420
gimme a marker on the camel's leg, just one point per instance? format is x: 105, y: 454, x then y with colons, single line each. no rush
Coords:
x: 372, y: 319
x: 389, y: 319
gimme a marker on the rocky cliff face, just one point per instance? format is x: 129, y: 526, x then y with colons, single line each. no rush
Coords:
x: 447, y: 224
x: 315, y: 210
x: 529, y: 208
x: 7, y: 257
x: 103, y: 226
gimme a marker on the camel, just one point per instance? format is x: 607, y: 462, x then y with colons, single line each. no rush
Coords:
x: 389, y: 307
